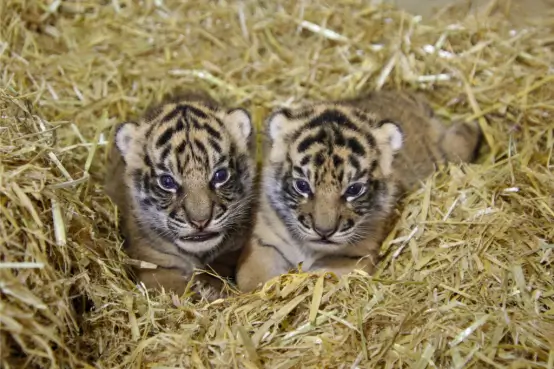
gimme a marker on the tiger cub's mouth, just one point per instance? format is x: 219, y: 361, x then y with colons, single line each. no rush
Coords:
x: 200, y: 237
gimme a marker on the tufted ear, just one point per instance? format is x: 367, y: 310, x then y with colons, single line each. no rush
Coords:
x: 389, y: 139
x: 125, y: 134
x: 240, y: 124
x: 276, y: 124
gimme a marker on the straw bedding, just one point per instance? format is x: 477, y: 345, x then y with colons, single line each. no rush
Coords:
x: 467, y: 273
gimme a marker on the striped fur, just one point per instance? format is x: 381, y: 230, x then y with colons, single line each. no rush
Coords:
x: 355, y: 158
x: 183, y: 177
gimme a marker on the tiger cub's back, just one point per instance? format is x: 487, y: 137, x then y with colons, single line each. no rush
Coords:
x: 427, y: 141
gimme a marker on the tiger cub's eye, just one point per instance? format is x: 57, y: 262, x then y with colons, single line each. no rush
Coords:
x: 220, y: 177
x: 354, y: 190
x: 167, y: 183
x: 302, y: 186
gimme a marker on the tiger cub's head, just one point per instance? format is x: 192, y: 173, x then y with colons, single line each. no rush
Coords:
x: 329, y: 172
x: 190, y: 172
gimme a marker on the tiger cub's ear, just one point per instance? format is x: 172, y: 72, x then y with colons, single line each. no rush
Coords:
x: 277, y: 123
x: 280, y: 124
x: 389, y: 139
x: 125, y: 135
x: 277, y: 127
x: 239, y: 123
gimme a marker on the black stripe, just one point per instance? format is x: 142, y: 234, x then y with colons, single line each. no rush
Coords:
x: 310, y: 140
x: 370, y: 140
x: 232, y: 150
x: 289, y: 194
x: 165, y: 153
x: 212, y: 131
x: 146, y: 183
x: 332, y: 116
x: 164, y: 137
x: 215, y: 145
x: 297, y: 170
x: 178, y: 164
x: 284, y: 111
x: 373, y: 166
x: 162, y: 167
x: 181, y: 147
x: 362, y: 173
x: 362, y: 115
x: 354, y: 145
x: 319, y: 159
x: 359, y: 175
x: 174, y: 113
x: 180, y: 125
x: 194, y: 122
x: 298, y: 114
x: 147, y: 158
x: 149, y: 131
x: 199, y: 113
x: 337, y: 160
x: 224, y: 158
x: 218, y: 121
x: 187, y: 124
x: 354, y: 162
x: 339, y: 137
x: 201, y: 147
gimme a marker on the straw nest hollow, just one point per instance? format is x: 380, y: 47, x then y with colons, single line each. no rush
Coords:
x: 467, y: 273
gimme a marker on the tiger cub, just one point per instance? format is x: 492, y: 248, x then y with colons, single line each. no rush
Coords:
x: 333, y: 174
x: 183, y: 179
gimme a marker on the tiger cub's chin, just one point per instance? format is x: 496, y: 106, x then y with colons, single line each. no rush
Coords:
x: 332, y: 177
x: 183, y: 179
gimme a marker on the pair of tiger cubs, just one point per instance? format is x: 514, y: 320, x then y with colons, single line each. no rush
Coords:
x: 184, y: 179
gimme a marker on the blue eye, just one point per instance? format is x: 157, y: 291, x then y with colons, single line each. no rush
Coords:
x: 302, y: 186
x: 220, y: 177
x: 354, y: 190
x: 167, y: 183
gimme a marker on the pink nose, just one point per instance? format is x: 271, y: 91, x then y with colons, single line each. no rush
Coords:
x: 324, y: 232
x: 200, y: 223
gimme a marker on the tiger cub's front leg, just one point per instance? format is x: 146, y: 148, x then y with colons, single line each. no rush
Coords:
x: 174, y: 280
x: 341, y: 265
x: 259, y: 263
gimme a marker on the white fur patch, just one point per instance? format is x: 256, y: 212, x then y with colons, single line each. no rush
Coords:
x: 125, y: 136
x: 239, y: 121
x: 395, y: 137
x: 390, y: 139
x: 276, y: 124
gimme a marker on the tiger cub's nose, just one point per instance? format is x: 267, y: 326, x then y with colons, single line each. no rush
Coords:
x: 325, y: 232
x: 200, y: 222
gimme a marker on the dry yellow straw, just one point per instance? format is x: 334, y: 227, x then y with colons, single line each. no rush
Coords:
x: 466, y: 279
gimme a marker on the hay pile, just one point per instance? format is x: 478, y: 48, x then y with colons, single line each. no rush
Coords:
x: 467, y: 278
